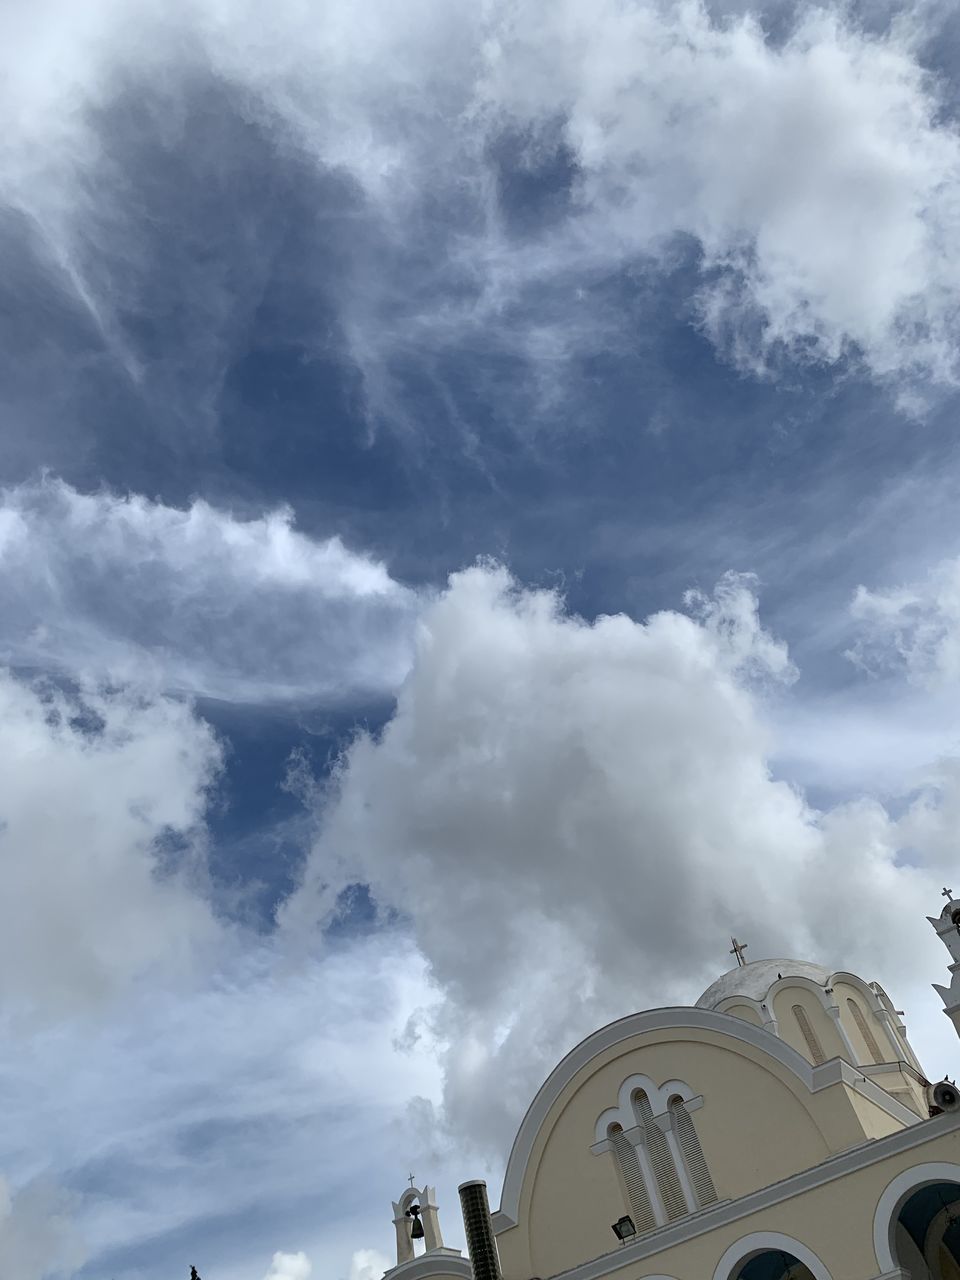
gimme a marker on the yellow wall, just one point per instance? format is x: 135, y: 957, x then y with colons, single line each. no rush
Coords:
x: 746, y: 1012
x: 843, y: 992
x: 821, y: 1022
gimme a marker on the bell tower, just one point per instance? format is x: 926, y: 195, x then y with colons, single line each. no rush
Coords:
x: 947, y: 926
x: 415, y: 1218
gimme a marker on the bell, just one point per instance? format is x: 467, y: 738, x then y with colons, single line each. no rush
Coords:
x: 416, y: 1231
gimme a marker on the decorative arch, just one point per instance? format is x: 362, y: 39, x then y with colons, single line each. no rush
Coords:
x: 747, y: 1247
x: 409, y: 1196
x: 834, y: 1027
x: 792, y: 1063
x: 896, y: 1194
x: 623, y: 1113
x: 876, y: 1007
x: 798, y: 980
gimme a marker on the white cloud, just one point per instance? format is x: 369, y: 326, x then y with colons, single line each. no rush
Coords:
x: 265, y: 1101
x: 94, y: 793
x: 914, y: 627
x: 818, y: 174
x: 195, y: 599
x: 588, y: 809
x: 290, y: 1266
x: 368, y: 1264
x: 814, y: 174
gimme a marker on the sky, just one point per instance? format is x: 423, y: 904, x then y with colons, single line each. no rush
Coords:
x: 477, y: 531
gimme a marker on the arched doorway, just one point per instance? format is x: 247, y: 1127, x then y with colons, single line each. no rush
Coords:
x: 773, y: 1264
x: 926, y: 1234
x: 770, y: 1255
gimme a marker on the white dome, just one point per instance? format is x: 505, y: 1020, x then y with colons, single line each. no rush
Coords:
x: 755, y: 980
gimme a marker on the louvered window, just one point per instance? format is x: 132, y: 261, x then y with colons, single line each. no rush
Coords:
x: 639, y: 1201
x: 809, y: 1035
x: 865, y: 1030
x: 692, y: 1153
x: 661, y: 1159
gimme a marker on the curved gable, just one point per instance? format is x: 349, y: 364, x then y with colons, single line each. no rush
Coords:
x: 610, y: 1037
x: 751, y: 1118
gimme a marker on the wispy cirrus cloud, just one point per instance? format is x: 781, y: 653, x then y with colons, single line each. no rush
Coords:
x: 496, y: 167
x: 222, y: 1118
x: 196, y: 600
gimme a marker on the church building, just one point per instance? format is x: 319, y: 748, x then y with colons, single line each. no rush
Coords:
x: 782, y: 1128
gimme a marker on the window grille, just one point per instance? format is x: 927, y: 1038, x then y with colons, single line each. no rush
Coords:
x: 692, y: 1153
x: 640, y: 1209
x: 809, y: 1035
x: 661, y: 1159
x: 865, y: 1030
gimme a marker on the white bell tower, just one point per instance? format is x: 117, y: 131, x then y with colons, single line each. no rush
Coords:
x: 415, y: 1218
x: 947, y: 926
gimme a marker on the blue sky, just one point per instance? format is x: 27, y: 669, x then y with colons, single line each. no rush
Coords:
x: 477, y: 529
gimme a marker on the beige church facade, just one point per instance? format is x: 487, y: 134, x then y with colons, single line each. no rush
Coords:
x: 780, y: 1129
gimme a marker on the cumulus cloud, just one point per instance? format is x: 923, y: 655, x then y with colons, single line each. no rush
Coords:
x: 588, y: 809
x: 913, y: 628
x: 102, y: 799
x: 197, y: 599
x: 289, y: 1266
x: 817, y: 173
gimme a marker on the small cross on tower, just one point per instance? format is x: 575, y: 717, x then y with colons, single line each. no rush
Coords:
x: 737, y: 950
x: 410, y: 1179
x: 947, y: 893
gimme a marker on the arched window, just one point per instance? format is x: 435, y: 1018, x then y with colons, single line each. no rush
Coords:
x: 697, y: 1170
x: 661, y: 1158
x: 809, y: 1035
x: 632, y: 1178
x: 927, y: 1232
x: 865, y: 1030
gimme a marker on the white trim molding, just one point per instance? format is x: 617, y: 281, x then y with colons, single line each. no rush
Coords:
x: 748, y: 1247
x: 438, y: 1262
x: 893, y: 1199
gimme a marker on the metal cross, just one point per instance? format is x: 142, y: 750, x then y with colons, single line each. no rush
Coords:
x: 410, y: 1180
x: 737, y: 950
x: 947, y: 893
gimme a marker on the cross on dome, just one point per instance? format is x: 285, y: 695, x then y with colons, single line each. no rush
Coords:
x: 737, y: 950
x: 947, y: 893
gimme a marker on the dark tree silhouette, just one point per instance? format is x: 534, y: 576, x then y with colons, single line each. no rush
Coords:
x: 194, y: 1274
